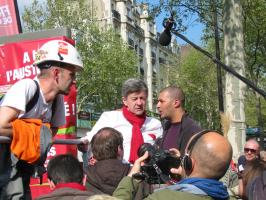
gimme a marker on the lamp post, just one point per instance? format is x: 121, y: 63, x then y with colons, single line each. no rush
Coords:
x: 219, y: 71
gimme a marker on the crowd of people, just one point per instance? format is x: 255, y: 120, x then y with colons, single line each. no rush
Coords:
x: 196, y: 159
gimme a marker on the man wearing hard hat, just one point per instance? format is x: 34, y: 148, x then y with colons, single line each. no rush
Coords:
x: 41, y: 99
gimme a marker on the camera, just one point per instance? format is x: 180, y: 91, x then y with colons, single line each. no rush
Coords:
x: 157, y: 166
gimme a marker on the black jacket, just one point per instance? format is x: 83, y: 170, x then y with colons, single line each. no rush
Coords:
x: 188, y: 128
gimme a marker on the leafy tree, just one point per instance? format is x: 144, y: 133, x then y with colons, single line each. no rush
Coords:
x: 197, y: 77
x: 107, y: 59
x: 255, y: 49
x: 254, y: 41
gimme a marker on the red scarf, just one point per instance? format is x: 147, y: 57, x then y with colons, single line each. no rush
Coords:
x: 137, y: 139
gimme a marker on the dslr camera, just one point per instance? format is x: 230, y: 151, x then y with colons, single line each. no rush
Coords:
x: 156, y: 168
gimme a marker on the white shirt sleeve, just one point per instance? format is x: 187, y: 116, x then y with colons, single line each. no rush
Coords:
x: 20, y: 94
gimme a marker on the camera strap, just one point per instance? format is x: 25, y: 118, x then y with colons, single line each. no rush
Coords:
x: 162, y: 176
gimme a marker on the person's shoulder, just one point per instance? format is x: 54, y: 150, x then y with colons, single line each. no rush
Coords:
x: 152, y: 124
x: 27, y: 82
x: 153, y: 120
x: 189, y: 119
x: 112, y: 113
x: 61, y: 193
x: 189, y: 125
x: 172, y: 194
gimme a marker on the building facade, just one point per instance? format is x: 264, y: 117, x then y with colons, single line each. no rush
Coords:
x: 135, y: 26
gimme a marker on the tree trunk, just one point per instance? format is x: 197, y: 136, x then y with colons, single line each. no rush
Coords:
x: 234, y: 88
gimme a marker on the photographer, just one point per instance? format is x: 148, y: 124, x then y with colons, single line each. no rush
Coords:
x: 108, y: 169
x: 208, y: 155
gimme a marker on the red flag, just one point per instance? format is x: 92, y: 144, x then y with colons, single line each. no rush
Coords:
x: 9, y: 18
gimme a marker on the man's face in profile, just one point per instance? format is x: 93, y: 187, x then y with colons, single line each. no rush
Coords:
x: 136, y: 102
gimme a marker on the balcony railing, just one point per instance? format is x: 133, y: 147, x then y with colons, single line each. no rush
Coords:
x: 116, y: 15
x: 139, y: 30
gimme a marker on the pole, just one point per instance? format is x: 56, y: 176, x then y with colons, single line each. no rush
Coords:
x: 217, y: 50
x: 224, y: 66
x: 17, y: 16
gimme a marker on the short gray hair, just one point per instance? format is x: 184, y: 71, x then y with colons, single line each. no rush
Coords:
x: 133, y: 85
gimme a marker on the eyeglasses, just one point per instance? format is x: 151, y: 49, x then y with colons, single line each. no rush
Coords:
x: 246, y: 150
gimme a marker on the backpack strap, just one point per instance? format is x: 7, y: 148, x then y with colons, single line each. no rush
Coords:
x: 34, y: 99
x: 54, y: 106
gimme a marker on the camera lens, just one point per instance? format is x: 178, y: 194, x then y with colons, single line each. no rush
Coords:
x: 145, y: 147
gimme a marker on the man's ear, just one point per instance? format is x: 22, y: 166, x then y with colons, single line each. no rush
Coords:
x: 120, y: 152
x: 51, y: 184
x: 124, y: 100
x: 177, y: 103
x: 55, y: 72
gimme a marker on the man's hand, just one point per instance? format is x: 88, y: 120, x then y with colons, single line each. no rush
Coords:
x: 179, y: 170
x: 84, y: 140
x: 84, y: 146
x: 175, y: 152
x: 136, y: 167
x: 92, y: 161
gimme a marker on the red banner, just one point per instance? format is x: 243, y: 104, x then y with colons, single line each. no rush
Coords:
x: 8, y: 19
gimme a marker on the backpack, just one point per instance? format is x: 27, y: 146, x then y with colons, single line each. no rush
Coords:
x: 5, y: 155
x: 45, y: 144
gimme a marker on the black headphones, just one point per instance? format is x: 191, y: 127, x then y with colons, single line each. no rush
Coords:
x: 186, y: 160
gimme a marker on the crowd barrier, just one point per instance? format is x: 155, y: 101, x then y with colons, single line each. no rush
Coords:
x: 4, y: 139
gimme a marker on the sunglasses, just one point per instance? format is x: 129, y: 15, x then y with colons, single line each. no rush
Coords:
x: 246, y: 150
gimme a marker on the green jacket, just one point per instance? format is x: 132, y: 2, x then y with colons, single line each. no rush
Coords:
x: 127, y: 186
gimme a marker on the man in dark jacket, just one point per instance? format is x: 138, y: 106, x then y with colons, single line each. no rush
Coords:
x: 66, y: 179
x: 109, y: 169
x: 208, y: 156
x: 106, y: 173
x: 177, y: 124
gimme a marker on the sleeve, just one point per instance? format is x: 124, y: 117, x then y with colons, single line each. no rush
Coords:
x: 154, y: 128
x: 126, y: 188
x: 20, y: 94
x: 59, y: 118
x: 103, y: 121
x: 158, y: 130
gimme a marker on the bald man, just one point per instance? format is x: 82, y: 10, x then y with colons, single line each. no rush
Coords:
x: 209, y: 155
x: 178, y: 126
x: 251, y: 152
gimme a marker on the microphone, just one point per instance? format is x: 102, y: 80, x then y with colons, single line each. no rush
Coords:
x: 166, y: 124
x: 165, y: 37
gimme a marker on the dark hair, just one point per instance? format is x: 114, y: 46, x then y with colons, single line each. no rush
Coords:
x: 253, y: 169
x: 105, y: 143
x: 65, y: 168
x: 133, y: 85
x: 176, y: 93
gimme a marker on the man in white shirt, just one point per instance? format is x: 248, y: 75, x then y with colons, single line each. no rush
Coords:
x: 131, y: 120
x: 58, y: 62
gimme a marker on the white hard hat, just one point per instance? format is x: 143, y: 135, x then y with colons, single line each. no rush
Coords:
x: 58, y: 51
